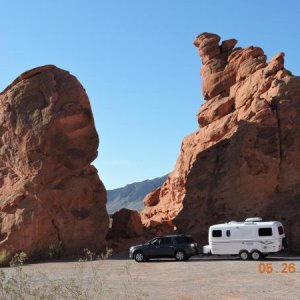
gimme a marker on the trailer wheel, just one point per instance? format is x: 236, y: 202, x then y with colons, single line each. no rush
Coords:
x: 244, y: 255
x: 256, y: 255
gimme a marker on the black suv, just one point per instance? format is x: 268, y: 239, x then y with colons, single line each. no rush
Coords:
x: 179, y: 246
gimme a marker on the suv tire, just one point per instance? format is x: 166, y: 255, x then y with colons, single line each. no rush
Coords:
x: 139, y: 256
x: 180, y: 255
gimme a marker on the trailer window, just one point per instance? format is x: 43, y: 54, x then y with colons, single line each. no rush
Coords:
x: 228, y: 233
x: 280, y: 230
x: 217, y: 233
x: 265, y: 232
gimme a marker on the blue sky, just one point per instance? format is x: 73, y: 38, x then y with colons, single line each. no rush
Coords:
x: 136, y: 60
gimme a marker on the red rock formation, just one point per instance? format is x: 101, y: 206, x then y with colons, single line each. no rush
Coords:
x: 127, y: 230
x: 152, y: 198
x: 126, y: 223
x: 50, y: 194
x: 244, y: 160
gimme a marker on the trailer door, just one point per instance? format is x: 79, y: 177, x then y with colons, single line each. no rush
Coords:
x: 227, y: 244
x: 216, y: 238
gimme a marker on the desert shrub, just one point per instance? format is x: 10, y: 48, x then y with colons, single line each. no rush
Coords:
x: 4, y: 257
x: 55, y: 251
x: 105, y: 255
x: 17, y: 285
x: 89, y: 255
x: 89, y: 282
x: 18, y: 259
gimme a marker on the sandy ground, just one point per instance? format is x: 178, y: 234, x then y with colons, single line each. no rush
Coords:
x: 198, y: 278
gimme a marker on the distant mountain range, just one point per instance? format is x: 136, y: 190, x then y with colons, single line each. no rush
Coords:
x: 132, y: 195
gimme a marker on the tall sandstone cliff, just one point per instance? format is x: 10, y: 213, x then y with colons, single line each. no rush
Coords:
x: 244, y: 160
x: 50, y: 195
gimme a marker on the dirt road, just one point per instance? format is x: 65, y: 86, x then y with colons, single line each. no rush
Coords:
x: 198, y: 278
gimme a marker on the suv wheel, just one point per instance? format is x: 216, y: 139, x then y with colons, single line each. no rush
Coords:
x: 139, y: 256
x: 180, y: 255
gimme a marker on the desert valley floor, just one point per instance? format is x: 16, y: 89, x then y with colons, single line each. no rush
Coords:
x: 198, y: 278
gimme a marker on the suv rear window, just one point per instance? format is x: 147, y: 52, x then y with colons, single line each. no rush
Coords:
x: 265, y: 231
x: 184, y: 240
x: 166, y: 241
x: 217, y: 233
x: 280, y: 230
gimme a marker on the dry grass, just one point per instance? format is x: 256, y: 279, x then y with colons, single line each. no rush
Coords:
x: 88, y: 282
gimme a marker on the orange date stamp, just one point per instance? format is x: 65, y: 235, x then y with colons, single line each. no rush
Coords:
x: 283, y: 268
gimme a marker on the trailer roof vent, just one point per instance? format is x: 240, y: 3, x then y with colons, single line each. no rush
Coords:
x: 256, y: 219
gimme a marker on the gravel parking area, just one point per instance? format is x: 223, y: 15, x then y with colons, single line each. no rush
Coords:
x: 198, y: 278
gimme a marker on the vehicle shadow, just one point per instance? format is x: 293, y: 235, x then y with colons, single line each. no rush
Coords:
x: 202, y: 257
x: 283, y: 258
x: 206, y: 258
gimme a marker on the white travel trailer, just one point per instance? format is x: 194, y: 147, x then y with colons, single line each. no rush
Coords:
x: 250, y: 239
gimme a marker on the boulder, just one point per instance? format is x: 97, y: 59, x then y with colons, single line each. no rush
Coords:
x: 126, y: 223
x: 50, y: 194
